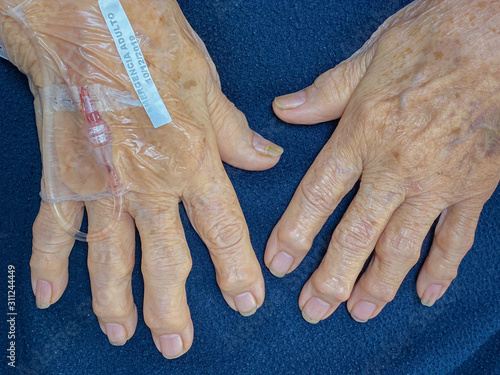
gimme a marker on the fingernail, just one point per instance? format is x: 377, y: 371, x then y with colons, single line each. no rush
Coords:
x: 431, y: 295
x: 263, y: 146
x: 171, y: 346
x: 291, y: 101
x: 43, y: 294
x: 363, y: 311
x: 116, y: 334
x: 315, y: 309
x: 281, y: 264
x: 246, y: 304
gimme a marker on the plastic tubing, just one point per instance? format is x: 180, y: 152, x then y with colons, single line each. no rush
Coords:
x: 98, y: 133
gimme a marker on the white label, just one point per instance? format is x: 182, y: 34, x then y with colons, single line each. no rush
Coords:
x: 3, y: 54
x: 132, y: 58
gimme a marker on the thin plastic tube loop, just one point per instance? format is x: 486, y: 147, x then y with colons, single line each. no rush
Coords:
x: 88, y: 237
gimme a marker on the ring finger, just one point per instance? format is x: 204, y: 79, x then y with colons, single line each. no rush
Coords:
x: 397, y: 251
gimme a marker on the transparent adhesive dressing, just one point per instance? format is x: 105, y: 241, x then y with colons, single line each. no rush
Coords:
x: 77, y: 97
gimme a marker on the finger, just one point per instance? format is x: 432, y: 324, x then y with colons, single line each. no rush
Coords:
x: 166, y: 263
x: 328, y: 96
x: 110, y: 263
x: 397, y: 251
x: 51, y: 249
x: 453, y: 238
x: 239, y: 145
x: 332, y: 175
x: 352, y: 243
x: 215, y: 213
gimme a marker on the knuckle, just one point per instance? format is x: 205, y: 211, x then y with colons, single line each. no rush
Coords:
x: 294, y: 239
x: 106, y: 305
x: 400, y: 247
x: 452, y: 238
x: 170, y: 317
x: 109, y: 265
x: 48, y: 263
x: 327, y: 84
x: 166, y: 321
x: 47, y: 233
x: 173, y: 264
x: 447, y: 273
x: 236, y: 279
x: 333, y: 287
x: 356, y: 235
x: 446, y: 268
x: 110, y: 278
x: 384, y: 296
x: 382, y: 290
x: 318, y: 197
x: 225, y: 235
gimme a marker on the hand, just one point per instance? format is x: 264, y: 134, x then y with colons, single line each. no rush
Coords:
x: 181, y: 160
x: 420, y: 126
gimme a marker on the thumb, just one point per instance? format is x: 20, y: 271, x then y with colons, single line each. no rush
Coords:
x: 239, y: 145
x: 327, y: 97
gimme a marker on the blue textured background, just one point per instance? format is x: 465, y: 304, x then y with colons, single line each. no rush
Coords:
x: 262, y: 49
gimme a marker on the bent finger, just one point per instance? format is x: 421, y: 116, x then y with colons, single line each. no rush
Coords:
x: 396, y: 252
x: 166, y: 263
x: 453, y: 238
x: 215, y: 213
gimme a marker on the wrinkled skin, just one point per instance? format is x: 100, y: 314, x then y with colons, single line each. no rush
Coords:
x: 420, y: 126
x: 67, y: 43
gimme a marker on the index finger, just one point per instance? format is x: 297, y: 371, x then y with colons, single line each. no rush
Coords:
x: 216, y: 215
x: 330, y: 178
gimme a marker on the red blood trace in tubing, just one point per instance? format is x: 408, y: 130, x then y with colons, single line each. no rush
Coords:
x: 98, y: 133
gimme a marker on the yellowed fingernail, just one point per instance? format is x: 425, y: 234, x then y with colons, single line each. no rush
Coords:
x: 291, y: 101
x: 431, y: 295
x: 273, y: 150
x: 266, y: 148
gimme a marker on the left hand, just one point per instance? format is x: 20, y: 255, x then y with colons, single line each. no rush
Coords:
x: 420, y: 107
x: 63, y: 45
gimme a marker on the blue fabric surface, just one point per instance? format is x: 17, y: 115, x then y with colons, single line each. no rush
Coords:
x: 262, y: 49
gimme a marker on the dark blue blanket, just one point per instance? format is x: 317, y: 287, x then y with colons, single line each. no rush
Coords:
x: 262, y: 49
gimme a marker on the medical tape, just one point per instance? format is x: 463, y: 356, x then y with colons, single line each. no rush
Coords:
x: 64, y: 98
x: 133, y: 59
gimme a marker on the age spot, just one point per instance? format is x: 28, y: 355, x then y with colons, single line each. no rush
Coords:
x: 488, y: 126
x: 396, y: 155
x: 190, y: 84
x: 438, y: 55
